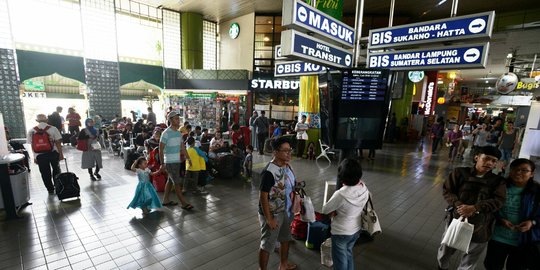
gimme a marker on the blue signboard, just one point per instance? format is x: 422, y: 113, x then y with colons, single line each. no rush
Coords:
x: 297, y: 68
x: 301, y: 46
x: 465, y: 56
x: 463, y: 27
x: 301, y: 16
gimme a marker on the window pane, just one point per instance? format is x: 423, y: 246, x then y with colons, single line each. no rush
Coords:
x: 263, y: 20
x: 266, y: 28
x: 263, y: 54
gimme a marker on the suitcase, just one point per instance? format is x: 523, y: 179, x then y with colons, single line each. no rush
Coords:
x: 158, y: 181
x: 66, y: 138
x: 317, y: 233
x: 66, y: 185
x: 130, y: 157
x: 299, y: 228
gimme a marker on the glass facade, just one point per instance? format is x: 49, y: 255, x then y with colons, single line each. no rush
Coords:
x: 267, y: 36
x: 209, y: 45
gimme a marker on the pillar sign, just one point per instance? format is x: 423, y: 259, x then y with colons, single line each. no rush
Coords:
x: 431, y: 92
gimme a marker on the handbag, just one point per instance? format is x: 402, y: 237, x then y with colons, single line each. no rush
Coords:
x: 95, y: 145
x: 82, y: 144
x: 458, y: 235
x: 369, y: 219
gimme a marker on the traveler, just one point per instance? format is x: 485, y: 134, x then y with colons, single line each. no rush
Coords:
x: 345, y: 208
x: 275, y: 206
x: 46, y: 142
x: 262, y: 131
x: 55, y: 119
x: 170, y: 147
x: 151, y: 116
x: 92, y: 156
x: 74, y: 121
x: 301, y: 136
x: 517, y: 229
x: 477, y: 194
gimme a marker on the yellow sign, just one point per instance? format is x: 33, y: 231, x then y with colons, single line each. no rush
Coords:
x: 527, y: 85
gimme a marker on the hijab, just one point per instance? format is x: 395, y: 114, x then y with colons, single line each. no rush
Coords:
x: 92, y: 130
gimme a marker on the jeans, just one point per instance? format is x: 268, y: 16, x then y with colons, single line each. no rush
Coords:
x: 342, y: 248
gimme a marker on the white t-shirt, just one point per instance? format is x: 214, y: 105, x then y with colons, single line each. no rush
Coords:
x: 54, y: 136
x: 467, y: 132
x: 301, y: 129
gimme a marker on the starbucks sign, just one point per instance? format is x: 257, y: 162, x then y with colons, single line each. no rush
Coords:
x: 416, y: 76
x: 234, y: 30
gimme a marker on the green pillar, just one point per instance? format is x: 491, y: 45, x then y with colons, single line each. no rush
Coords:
x: 402, y: 107
x: 192, y: 40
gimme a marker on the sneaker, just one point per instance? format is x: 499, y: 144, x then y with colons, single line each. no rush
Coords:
x: 93, y: 178
x: 97, y: 175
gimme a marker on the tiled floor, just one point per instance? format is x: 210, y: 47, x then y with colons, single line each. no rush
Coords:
x: 222, y: 232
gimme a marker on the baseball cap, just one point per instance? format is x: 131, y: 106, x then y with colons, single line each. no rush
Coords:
x: 172, y: 114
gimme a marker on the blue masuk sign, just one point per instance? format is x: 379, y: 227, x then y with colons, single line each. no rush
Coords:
x: 297, y: 68
x: 301, y: 16
x: 464, y: 56
x: 301, y: 46
x: 455, y: 28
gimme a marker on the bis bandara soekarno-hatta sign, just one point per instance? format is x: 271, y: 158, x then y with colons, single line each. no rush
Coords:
x: 464, y: 56
x: 478, y: 25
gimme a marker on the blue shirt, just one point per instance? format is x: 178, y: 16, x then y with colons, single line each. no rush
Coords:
x: 509, y: 211
x: 277, y: 132
x: 173, y: 141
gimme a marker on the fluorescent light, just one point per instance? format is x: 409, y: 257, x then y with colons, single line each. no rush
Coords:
x: 440, y: 3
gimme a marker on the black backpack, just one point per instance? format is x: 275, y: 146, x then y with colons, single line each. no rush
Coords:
x: 55, y: 121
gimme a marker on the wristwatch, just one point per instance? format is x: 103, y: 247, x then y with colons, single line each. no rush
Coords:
x: 533, y: 222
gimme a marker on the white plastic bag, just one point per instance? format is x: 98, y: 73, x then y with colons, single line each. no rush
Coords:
x: 458, y: 235
x: 326, y: 253
x: 308, y: 212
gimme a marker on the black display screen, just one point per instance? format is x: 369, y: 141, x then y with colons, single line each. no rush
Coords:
x: 361, y: 108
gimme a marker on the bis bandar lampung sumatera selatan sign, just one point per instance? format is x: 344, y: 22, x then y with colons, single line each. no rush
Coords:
x: 478, y: 25
x: 464, y: 56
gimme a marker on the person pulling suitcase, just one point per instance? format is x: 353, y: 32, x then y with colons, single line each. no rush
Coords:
x: 46, y: 142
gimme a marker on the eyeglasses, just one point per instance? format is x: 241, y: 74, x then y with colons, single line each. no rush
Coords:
x: 522, y: 170
x: 288, y: 151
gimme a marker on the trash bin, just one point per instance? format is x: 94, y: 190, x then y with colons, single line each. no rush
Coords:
x: 20, y: 188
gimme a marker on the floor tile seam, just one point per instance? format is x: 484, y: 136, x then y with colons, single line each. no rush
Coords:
x: 39, y: 237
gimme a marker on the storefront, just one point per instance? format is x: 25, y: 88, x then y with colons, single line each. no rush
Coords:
x: 278, y: 97
x: 212, y: 109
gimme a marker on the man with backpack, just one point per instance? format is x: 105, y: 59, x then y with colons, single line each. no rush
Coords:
x: 46, y: 143
x: 55, y: 119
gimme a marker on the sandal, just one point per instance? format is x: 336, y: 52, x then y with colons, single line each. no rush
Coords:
x: 170, y: 203
x: 187, y: 207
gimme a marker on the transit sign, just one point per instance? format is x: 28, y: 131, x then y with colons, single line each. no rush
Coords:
x: 297, y: 68
x: 455, y: 28
x: 303, y: 47
x: 301, y: 16
x: 464, y: 56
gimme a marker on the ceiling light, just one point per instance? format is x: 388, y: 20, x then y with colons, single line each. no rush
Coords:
x: 510, y: 55
x: 487, y: 81
x: 440, y: 3
x: 266, y: 39
x: 510, y: 109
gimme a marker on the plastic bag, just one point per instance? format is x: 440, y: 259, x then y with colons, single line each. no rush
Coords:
x: 326, y: 253
x: 308, y: 212
x: 458, y: 235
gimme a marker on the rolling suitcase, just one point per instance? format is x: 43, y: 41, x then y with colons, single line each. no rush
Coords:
x: 316, y: 234
x: 66, y: 138
x: 66, y: 185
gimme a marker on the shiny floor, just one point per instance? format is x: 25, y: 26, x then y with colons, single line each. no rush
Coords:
x: 222, y: 232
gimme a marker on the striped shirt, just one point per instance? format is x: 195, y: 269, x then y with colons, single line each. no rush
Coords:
x: 173, y: 141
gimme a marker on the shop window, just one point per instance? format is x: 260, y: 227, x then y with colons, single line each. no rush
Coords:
x: 267, y: 36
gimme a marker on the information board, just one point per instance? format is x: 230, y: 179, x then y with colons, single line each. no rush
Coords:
x: 463, y: 27
x: 364, y: 84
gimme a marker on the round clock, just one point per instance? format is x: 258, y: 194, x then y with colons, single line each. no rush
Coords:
x: 234, y: 30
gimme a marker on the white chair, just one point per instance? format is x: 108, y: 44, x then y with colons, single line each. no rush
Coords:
x: 325, y: 151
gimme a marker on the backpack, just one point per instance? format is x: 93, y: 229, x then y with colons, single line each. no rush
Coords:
x: 55, y: 121
x: 40, y: 140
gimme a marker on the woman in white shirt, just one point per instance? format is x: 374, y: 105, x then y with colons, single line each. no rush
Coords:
x: 216, y: 143
x: 345, y: 208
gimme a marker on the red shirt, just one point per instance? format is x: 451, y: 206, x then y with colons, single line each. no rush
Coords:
x: 74, y: 119
x: 237, y: 136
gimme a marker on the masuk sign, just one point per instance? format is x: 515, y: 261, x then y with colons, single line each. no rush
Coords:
x: 301, y: 16
x: 297, y: 45
x: 464, y: 56
x: 464, y: 27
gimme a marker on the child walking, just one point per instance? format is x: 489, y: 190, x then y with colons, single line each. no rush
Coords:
x: 248, y: 162
x: 145, y: 195
x: 194, y: 167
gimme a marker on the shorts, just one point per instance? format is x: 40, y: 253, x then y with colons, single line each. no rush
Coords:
x: 173, y: 170
x: 282, y: 233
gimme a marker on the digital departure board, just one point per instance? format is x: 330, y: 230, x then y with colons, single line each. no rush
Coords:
x: 364, y: 85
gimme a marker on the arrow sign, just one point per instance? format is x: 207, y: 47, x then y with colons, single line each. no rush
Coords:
x: 464, y: 56
x: 303, y: 47
x: 478, y: 25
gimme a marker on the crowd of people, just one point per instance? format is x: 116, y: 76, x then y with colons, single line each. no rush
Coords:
x: 504, y: 210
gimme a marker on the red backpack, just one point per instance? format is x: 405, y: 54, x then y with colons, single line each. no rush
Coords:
x: 40, y: 140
